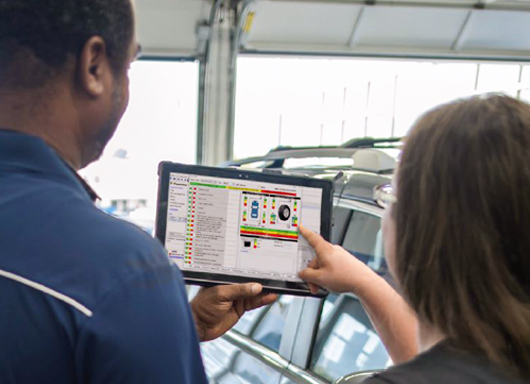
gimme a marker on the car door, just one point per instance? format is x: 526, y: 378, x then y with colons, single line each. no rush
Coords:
x: 256, y: 350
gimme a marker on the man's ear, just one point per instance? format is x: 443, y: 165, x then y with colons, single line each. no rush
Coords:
x: 93, y: 67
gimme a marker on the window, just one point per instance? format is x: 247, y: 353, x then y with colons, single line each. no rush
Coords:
x: 328, y: 101
x: 341, y: 216
x: 363, y: 239
x: 247, y: 321
x: 269, y: 330
x: 524, y: 86
x: 346, y: 340
x: 160, y: 124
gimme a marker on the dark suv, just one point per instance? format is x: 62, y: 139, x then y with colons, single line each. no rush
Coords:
x: 309, y: 340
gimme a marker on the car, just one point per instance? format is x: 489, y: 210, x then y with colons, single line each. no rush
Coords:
x: 308, y: 340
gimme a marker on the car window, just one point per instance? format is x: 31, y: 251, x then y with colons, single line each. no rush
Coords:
x: 270, y: 328
x: 249, y: 370
x: 247, y: 321
x: 363, y: 239
x: 341, y: 216
x: 346, y: 341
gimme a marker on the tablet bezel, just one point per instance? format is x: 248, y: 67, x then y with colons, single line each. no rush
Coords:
x: 208, y: 278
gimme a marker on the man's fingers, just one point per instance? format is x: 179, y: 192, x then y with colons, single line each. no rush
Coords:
x: 238, y: 291
x: 315, y: 240
x: 313, y: 288
x: 268, y: 299
x: 260, y: 301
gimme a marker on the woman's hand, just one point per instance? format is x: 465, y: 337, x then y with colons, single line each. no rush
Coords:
x: 334, y: 268
x: 337, y: 270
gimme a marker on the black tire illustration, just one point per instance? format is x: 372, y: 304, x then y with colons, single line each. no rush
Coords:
x: 284, y: 212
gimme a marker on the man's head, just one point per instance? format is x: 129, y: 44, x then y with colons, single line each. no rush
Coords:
x: 69, y: 52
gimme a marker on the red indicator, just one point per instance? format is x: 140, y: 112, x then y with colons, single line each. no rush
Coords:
x: 294, y: 237
x: 279, y: 193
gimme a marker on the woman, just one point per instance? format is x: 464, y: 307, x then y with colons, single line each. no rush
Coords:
x: 457, y: 241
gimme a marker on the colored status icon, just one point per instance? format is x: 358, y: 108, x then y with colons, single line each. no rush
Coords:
x: 265, y: 203
x: 264, y: 218
x: 244, y: 215
x: 295, y: 206
x: 255, y: 243
x: 245, y: 201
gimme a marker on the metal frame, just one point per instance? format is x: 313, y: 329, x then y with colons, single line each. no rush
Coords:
x: 477, y: 4
x: 426, y: 56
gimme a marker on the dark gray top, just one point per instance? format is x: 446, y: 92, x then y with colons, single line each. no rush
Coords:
x: 444, y: 365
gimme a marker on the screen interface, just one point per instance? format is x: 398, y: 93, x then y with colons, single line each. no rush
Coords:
x: 240, y: 227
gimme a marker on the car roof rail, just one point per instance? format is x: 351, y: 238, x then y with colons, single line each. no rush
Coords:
x: 370, y: 142
x: 364, y: 152
x: 357, y: 377
x: 363, y: 142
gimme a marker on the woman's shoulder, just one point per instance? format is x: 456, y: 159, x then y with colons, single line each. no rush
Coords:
x: 443, y: 364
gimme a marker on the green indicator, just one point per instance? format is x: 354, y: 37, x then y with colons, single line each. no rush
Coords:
x: 208, y: 185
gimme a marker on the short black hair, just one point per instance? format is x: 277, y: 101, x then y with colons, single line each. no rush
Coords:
x: 38, y: 37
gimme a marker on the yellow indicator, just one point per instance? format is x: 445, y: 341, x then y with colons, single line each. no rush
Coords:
x: 249, y: 21
x: 244, y: 189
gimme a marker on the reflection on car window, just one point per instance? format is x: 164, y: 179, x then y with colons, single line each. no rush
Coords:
x: 249, y: 370
x: 346, y: 340
x: 270, y: 329
x: 247, y: 321
x: 363, y: 239
x: 341, y: 217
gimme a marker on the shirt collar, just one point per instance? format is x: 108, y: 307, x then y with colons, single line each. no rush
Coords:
x: 22, y: 152
x: 91, y: 193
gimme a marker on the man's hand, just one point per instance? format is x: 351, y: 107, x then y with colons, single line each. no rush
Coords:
x: 219, y: 308
x: 334, y: 268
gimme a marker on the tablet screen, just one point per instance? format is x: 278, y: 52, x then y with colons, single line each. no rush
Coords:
x: 240, y: 227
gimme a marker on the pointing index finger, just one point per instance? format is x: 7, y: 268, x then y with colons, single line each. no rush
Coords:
x: 314, y: 239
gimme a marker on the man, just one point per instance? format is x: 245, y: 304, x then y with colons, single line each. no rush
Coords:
x: 84, y: 298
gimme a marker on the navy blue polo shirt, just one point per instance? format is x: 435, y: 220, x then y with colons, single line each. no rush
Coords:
x: 84, y: 297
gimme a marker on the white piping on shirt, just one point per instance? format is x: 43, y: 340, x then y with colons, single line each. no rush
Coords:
x: 68, y: 300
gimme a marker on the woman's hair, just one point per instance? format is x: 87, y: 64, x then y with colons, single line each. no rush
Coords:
x: 463, y: 226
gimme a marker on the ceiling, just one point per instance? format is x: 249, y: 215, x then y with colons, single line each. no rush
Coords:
x: 461, y: 29
x: 168, y: 28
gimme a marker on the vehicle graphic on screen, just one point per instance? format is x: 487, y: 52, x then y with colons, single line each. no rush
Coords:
x: 254, y: 213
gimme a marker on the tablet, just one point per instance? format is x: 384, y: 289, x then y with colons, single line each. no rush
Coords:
x: 227, y: 226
